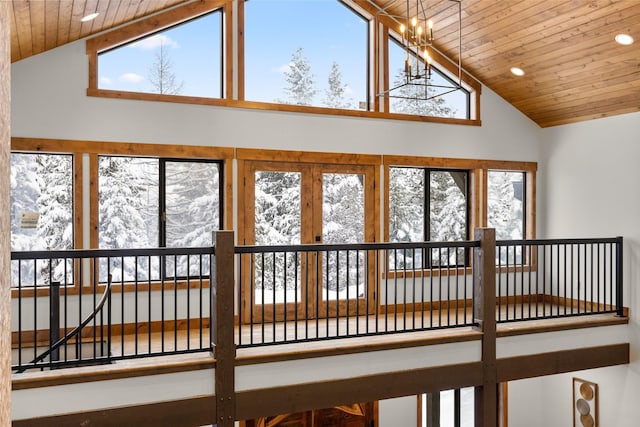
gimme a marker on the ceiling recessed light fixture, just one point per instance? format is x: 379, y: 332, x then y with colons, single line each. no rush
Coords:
x: 624, y: 39
x: 89, y: 17
x: 517, y: 71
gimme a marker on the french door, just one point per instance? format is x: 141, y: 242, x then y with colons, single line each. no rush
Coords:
x: 301, y: 203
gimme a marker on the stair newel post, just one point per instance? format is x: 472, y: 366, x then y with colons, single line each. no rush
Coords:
x: 484, y: 314
x: 222, y: 327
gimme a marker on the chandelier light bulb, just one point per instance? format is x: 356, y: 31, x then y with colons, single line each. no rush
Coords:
x: 414, y: 21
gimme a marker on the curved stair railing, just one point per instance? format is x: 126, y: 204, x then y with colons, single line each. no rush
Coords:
x: 73, y: 333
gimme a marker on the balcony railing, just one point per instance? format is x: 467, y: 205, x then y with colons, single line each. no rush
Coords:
x: 78, y: 307
x: 316, y: 292
x: 72, y: 308
x: 541, y: 279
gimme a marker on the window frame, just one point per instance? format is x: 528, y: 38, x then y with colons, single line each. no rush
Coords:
x: 427, y: 209
x: 443, y: 70
x: 85, y: 186
x: 524, y: 198
x: 162, y: 204
x: 72, y: 171
x: 233, y: 59
x: 359, y: 13
x: 156, y: 24
x: 477, y: 199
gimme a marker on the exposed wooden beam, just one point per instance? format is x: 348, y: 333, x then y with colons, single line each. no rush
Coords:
x: 558, y: 362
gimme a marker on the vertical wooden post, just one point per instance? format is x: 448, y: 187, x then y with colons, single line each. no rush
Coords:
x: 224, y: 347
x: 484, y: 313
x: 433, y: 409
x: 5, y: 225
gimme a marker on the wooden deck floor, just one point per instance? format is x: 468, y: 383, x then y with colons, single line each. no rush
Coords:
x: 448, y: 325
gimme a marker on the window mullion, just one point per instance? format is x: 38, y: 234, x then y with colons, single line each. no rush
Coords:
x: 162, y: 205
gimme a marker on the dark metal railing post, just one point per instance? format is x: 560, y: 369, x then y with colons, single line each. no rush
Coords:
x: 619, y: 282
x: 54, y: 320
x: 222, y: 323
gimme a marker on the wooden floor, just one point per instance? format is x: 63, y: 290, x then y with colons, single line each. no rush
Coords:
x: 442, y: 325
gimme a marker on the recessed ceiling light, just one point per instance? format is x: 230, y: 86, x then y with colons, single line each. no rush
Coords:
x: 624, y: 39
x: 517, y: 71
x: 89, y: 17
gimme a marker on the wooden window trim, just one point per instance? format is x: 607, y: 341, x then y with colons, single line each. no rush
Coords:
x: 183, y: 13
x: 478, y: 171
x: 290, y: 156
x: 382, y: 51
x: 153, y: 24
x: 265, y: 106
x: 78, y: 148
x: 308, y: 163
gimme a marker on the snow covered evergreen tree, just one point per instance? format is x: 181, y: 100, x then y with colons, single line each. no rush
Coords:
x: 127, y: 206
x: 277, y: 222
x: 336, y: 90
x: 407, y: 210
x: 343, y: 222
x: 42, y: 183
x: 55, y: 227
x: 448, y: 220
x: 448, y: 206
x: 505, y: 211
x: 192, y: 201
x: 412, y: 101
x: 192, y: 212
x: 25, y: 191
x: 300, y: 80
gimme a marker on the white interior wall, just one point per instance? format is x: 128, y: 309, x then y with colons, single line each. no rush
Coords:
x: 398, y: 412
x: 588, y: 175
x: 49, y: 101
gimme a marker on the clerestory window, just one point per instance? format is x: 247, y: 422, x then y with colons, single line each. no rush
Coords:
x: 416, y: 100
x: 293, y: 57
x: 184, y: 59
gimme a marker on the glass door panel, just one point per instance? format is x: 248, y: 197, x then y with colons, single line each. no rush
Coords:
x: 277, y: 222
x: 289, y: 204
x: 343, y: 222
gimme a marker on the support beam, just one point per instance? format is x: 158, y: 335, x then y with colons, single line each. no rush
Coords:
x: 559, y: 362
x: 326, y: 394
x: 484, y: 313
x: 222, y: 321
x: 177, y: 413
x: 5, y: 224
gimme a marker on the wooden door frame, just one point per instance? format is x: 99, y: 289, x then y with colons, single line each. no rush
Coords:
x: 369, y: 173
x: 311, y: 197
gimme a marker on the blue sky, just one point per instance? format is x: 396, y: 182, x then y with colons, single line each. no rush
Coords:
x: 326, y: 29
x: 194, y: 49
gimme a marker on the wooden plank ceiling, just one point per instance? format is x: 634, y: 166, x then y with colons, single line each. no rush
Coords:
x: 574, y: 71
